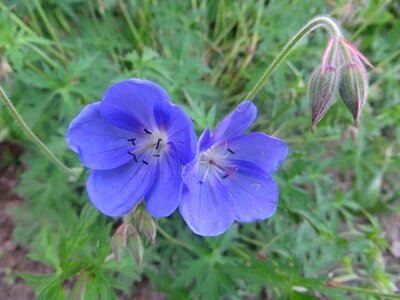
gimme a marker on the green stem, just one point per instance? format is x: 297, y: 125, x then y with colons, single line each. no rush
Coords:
x: 42, y: 55
x: 17, y: 117
x: 50, y: 29
x: 251, y: 241
x: 325, y: 22
x: 175, y: 241
x: 131, y: 25
x: 365, y: 291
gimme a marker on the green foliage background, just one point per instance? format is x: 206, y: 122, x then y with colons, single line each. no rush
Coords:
x: 337, y: 186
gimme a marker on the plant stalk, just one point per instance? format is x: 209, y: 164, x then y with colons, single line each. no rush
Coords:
x: 32, y: 136
x: 363, y: 291
x: 322, y: 21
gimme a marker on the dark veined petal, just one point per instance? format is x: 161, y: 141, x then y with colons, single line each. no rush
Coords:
x: 115, y: 192
x: 253, y: 192
x: 265, y: 151
x: 100, y: 145
x: 181, y: 134
x: 164, y: 196
x: 204, y: 141
x: 236, y: 122
x: 205, y: 206
x: 130, y: 104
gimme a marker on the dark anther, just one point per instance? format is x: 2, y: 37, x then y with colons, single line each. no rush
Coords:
x: 156, y: 155
x: 148, y: 132
x: 133, y: 154
x: 132, y: 141
x: 201, y: 182
x: 145, y: 162
x: 158, y: 143
x: 226, y: 175
x: 231, y: 151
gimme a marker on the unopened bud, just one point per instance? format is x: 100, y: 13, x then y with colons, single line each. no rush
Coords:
x: 147, y: 226
x: 135, y: 245
x: 125, y: 238
x: 144, y: 223
x: 119, y: 241
x: 353, y: 89
x: 323, y: 87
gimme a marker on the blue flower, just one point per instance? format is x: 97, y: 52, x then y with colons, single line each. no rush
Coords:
x: 230, y: 178
x: 135, y: 141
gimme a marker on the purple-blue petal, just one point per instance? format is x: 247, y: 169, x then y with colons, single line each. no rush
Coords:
x: 100, y: 145
x: 131, y: 104
x: 204, y: 141
x: 236, y: 122
x: 254, y: 194
x: 116, y: 192
x: 165, y: 194
x: 181, y: 134
x: 205, y: 204
x: 265, y: 151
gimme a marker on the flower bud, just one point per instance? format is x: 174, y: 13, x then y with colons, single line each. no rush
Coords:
x: 126, y: 238
x: 146, y: 225
x: 353, y: 88
x: 135, y: 245
x: 118, y: 241
x: 323, y: 87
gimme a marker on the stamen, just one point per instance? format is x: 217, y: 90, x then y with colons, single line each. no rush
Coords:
x: 224, y: 169
x: 226, y: 175
x: 230, y: 150
x: 156, y: 155
x: 133, y: 154
x: 148, y: 132
x: 212, y: 162
x: 145, y: 162
x: 132, y: 141
x: 158, y: 143
x: 201, y: 182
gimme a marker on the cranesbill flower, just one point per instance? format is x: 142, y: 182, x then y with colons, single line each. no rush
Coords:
x: 230, y: 178
x: 135, y: 141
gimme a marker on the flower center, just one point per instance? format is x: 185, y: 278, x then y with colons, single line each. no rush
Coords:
x: 152, y: 143
x: 213, y: 161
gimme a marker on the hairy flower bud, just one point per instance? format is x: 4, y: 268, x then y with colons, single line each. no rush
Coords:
x: 135, y: 245
x: 119, y: 241
x: 323, y: 87
x: 127, y: 238
x: 146, y: 225
x: 353, y: 89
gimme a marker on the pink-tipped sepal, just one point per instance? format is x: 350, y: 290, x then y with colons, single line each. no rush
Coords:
x: 353, y: 88
x: 323, y: 87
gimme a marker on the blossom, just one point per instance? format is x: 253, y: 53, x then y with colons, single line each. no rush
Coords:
x: 135, y: 141
x: 230, y: 178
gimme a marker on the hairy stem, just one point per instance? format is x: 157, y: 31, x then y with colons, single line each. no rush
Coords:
x: 325, y: 22
x: 363, y: 291
x: 175, y: 241
x: 20, y: 121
